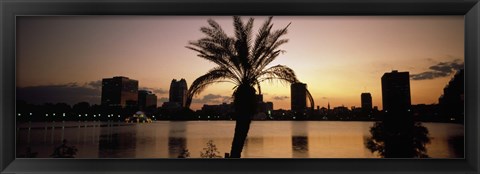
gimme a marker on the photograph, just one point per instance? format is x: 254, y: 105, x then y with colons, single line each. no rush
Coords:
x: 200, y: 87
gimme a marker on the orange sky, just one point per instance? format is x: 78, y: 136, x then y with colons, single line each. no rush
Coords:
x: 338, y: 57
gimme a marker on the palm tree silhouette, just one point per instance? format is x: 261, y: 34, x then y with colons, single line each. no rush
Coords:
x: 243, y: 62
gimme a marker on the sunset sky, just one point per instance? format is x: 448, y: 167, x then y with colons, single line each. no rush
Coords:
x: 62, y: 59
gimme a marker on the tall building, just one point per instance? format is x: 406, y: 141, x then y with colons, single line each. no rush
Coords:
x: 398, y: 122
x: 119, y: 91
x: 366, y: 101
x: 146, y: 99
x: 298, y: 92
x: 396, y: 92
x: 178, y: 92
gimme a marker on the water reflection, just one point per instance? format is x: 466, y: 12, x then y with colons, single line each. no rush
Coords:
x: 177, y: 143
x: 113, y: 144
x: 456, y: 144
x: 267, y: 139
x: 398, y: 142
x: 300, y: 140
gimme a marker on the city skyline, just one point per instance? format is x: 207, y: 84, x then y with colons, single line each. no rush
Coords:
x: 430, y: 48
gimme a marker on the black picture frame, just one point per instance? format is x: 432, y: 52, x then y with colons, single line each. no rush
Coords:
x: 11, y: 8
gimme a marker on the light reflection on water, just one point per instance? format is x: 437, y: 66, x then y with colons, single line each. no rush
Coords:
x: 266, y: 139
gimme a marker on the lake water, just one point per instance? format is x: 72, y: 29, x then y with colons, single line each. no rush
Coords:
x: 266, y: 139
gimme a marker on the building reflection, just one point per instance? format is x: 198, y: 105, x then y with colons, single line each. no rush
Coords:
x: 177, y: 142
x: 115, y: 144
x: 251, y: 146
x: 397, y: 135
x: 300, y: 140
x: 398, y: 144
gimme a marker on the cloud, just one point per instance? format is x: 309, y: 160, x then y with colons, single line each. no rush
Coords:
x: 279, y: 97
x: 94, y: 84
x: 324, y: 98
x: 70, y: 93
x: 441, y: 69
x: 213, y: 98
x: 155, y: 90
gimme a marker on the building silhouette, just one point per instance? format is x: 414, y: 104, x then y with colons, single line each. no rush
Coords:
x: 264, y: 109
x: 397, y: 122
x: 119, y: 91
x: 146, y: 99
x: 453, y: 99
x: 298, y: 95
x: 222, y: 111
x: 396, y: 92
x: 366, y: 101
x: 178, y: 92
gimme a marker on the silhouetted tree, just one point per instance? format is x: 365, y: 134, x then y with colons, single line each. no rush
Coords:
x: 210, y: 151
x: 381, y: 136
x: 243, y: 62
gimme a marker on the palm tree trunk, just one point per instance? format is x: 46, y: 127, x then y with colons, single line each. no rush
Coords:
x: 245, y: 107
x: 241, y: 131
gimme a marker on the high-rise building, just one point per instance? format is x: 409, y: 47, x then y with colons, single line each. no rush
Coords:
x: 298, y: 92
x: 146, y: 99
x: 398, y: 123
x: 366, y: 101
x: 178, y: 92
x: 119, y: 91
x: 396, y: 92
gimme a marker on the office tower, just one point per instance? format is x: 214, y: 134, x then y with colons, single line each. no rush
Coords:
x: 298, y: 92
x: 366, y: 101
x: 119, y: 91
x: 146, y: 99
x: 398, y: 122
x: 178, y: 92
x: 396, y: 92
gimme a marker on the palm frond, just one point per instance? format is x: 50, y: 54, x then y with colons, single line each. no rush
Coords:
x: 270, y: 50
x: 242, y: 43
x: 240, y: 59
x: 280, y: 72
x: 216, y: 75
